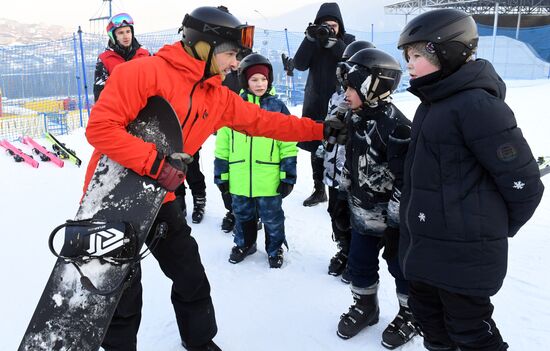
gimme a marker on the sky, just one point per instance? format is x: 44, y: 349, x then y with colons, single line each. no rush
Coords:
x: 149, y: 16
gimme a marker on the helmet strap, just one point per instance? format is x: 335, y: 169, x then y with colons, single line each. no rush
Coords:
x: 207, y: 73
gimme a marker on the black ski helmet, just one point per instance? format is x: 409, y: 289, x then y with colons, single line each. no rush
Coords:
x: 373, y: 73
x: 253, y: 60
x: 452, y: 32
x: 355, y: 46
x: 215, y: 25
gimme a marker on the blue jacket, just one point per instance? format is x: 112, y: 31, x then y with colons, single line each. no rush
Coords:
x: 470, y: 182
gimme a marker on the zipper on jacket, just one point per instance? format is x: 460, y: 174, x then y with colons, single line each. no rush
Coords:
x: 250, y: 165
x: 232, y: 141
x: 267, y: 163
x: 271, y: 152
x: 190, y: 107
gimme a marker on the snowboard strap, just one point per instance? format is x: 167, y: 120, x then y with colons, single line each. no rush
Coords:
x: 114, y: 243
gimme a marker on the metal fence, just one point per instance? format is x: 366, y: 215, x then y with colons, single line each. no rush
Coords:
x: 49, y: 86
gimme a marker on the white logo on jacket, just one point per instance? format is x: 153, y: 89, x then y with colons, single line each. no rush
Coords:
x: 421, y: 217
x: 519, y: 185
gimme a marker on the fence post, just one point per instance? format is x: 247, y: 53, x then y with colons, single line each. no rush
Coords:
x: 77, y: 76
x: 291, y: 77
x: 84, y: 71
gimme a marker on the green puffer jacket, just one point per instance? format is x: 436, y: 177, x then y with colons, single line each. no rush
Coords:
x: 254, y: 166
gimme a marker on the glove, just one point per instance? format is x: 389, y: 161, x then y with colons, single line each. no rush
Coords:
x: 224, y: 187
x: 285, y: 189
x: 288, y: 65
x: 173, y: 170
x: 311, y: 32
x: 390, y: 243
x: 331, y: 42
x: 340, y: 215
x: 335, y: 127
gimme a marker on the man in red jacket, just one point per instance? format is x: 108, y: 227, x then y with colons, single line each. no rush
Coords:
x: 122, y: 46
x: 188, y: 74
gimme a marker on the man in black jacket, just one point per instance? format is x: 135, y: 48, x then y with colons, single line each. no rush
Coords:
x: 320, y: 51
x: 470, y: 183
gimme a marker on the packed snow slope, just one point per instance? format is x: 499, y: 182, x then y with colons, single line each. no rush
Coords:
x: 257, y: 308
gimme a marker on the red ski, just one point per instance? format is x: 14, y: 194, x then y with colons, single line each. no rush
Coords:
x: 18, y: 155
x: 41, y: 151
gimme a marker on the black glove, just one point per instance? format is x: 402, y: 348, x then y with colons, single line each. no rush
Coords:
x: 285, y: 189
x: 341, y: 216
x: 311, y: 32
x: 173, y: 170
x: 335, y: 127
x: 224, y: 187
x: 288, y: 65
x: 390, y: 243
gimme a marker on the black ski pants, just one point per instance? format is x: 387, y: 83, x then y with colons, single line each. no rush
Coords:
x: 342, y: 237
x: 453, y: 319
x: 194, y: 178
x: 317, y: 167
x: 178, y: 256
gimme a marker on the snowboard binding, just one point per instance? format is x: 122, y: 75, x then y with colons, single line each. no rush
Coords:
x: 114, y: 243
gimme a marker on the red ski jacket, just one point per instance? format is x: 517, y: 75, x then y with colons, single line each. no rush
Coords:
x: 202, y: 106
x: 111, y: 59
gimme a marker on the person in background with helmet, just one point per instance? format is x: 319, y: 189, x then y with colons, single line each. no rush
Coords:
x: 122, y: 46
x: 195, y: 180
x: 258, y: 172
x: 470, y: 183
x: 333, y: 162
x: 188, y: 74
x: 319, y: 52
x: 371, y: 181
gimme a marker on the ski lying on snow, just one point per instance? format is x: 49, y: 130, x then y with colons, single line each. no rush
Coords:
x: 63, y: 151
x: 44, y: 154
x: 18, y: 155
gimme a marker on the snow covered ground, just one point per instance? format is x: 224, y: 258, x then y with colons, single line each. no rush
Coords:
x: 257, y: 308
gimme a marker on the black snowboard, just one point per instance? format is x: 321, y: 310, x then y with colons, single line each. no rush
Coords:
x: 69, y: 316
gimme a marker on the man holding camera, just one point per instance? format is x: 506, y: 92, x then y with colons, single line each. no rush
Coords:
x: 319, y: 52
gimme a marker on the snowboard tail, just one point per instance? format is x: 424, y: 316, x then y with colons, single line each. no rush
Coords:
x: 71, y: 315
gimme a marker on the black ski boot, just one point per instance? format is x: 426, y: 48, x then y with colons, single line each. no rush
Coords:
x: 319, y: 195
x: 199, y: 202
x: 346, y: 276
x: 228, y: 222
x: 364, y: 312
x: 277, y: 260
x: 209, y: 346
x: 403, y: 327
x: 338, y: 263
x: 239, y: 253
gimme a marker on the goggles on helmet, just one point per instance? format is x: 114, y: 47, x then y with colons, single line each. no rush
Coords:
x: 119, y: 20
x: 243, y: 35
x: 349, y: 74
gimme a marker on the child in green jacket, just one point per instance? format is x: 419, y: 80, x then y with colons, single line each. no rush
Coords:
x: 258, y: 172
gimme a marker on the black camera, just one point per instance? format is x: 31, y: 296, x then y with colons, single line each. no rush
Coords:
x: 319, y: 31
